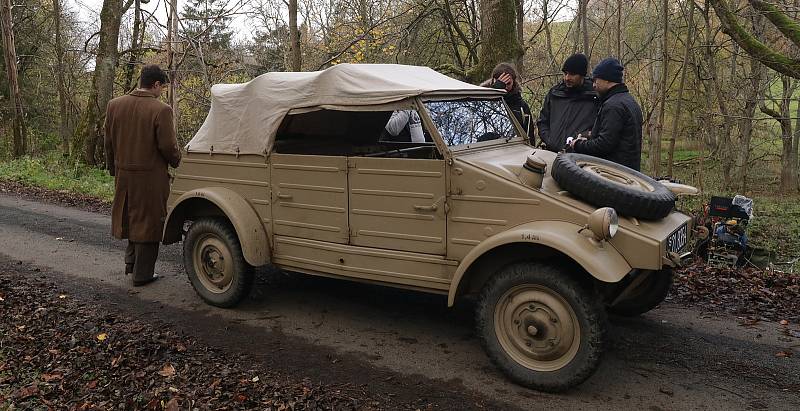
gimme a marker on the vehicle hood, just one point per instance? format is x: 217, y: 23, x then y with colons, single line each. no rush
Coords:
x: 507, y: 161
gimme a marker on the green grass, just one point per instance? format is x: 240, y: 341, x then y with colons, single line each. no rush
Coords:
x: 54, y: 172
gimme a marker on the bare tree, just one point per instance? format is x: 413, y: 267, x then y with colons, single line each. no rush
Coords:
x: 295, y: 58
x: 655, y: 148
x: 10, y: 56
x: 782, y: 114
x: 681, y: 87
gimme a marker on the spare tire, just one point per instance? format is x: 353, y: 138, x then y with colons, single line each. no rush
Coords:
x: 604, y: 183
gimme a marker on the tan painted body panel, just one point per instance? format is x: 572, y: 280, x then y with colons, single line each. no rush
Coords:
x: 602, y: 260
x: 237, y: 185
x: 310, y: 197
x: 398, y: 204
x: 410, y: 270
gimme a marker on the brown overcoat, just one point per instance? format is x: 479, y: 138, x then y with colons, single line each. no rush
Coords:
x: 140, y: 143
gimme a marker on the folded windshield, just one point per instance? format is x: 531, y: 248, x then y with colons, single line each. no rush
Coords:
x: 471, y: 121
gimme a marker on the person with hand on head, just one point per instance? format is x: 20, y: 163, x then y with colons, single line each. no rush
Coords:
x: 570, y: 107
x: 140, y: 144
x: 504, y: 77
x: 617, y: 131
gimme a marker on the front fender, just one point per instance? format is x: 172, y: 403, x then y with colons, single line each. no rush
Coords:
x: 252, y: 235
x: 601, y: 260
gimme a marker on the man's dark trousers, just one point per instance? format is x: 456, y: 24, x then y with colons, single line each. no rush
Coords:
x: 140, y: 259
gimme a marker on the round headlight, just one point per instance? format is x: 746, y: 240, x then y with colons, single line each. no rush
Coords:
x: 604, y: 223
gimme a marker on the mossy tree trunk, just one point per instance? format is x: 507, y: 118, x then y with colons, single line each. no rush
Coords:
x: 770, y: 57
x: 89, y: 130
x: 499, y: 41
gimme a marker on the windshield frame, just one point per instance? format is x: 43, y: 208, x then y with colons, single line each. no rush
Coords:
x: 434, y: 130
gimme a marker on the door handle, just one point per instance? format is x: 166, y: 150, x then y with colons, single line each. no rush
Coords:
x: 433, y: 207
x: 284, y: 196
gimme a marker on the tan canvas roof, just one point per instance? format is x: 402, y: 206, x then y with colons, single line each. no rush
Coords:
x: 244, y: 117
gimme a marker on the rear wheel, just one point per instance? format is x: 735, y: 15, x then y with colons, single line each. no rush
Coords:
x: 540, y: 327
x: 215, y: 264
x: 646, y: 295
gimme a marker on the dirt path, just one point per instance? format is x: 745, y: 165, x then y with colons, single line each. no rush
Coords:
x: 326, y: 330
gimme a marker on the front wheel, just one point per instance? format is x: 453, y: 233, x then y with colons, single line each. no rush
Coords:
x: 215, y: 264
x: 540, y: 327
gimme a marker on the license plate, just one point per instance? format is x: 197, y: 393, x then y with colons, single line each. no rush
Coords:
x: 677, y: 240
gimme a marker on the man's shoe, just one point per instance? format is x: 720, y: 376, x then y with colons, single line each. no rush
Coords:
x: 145, y: 282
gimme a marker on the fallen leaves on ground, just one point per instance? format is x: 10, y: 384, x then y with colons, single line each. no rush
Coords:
x: 74, y: 355
x: 759, y: 294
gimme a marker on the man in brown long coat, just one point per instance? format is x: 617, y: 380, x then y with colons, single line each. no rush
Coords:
x: 140, y: 143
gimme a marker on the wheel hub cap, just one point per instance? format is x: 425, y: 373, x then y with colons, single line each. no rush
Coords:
x: 537, y: 327
x: 213, y: 263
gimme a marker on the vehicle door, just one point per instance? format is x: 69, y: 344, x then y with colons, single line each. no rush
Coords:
x: 398, y: 204
x: 309, y: 196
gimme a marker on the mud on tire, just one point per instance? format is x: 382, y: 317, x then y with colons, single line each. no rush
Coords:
x: 540, y: 327
x: 215, y: 264
x: 604, y: 183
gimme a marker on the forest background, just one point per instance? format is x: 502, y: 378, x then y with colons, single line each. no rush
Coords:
x: 718, y: 80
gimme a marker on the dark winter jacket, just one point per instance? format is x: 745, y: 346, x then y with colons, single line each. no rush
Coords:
x: 519, y: 107
x: 566, y: 112
x: 617, y: 132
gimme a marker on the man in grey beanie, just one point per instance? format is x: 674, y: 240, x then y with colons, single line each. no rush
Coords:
x: 617, y: 132
x: 570, y: 107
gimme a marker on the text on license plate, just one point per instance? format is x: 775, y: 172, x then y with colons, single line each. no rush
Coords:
x: 677, y: 240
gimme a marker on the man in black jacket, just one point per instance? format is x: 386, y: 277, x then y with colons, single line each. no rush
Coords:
x: 570, y: 107
x: 617, y: 132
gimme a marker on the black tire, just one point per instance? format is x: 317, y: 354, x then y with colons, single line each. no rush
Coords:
x: 633, y: 194
x: 646, y: 296
x: 213, y: 259
x: 530, y: 294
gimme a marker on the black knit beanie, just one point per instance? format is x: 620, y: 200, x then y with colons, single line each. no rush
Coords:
x: 576, y: 64
x: 609, y: 69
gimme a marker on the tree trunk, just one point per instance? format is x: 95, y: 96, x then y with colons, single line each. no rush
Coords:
x: 172, y: 31
x: 63, y: 116
x: 136, y: 44
x: 783, y: 115
x: 295, y: 58
x: 655, y: 151
x: 676, y: 118
x: 721, y: 144
x: 619, y: 30
x: 10, y: 55
x: 754, y: 91
x: 548, y: 36
x: 585, y: 28
x: 499, y: 41
x: 520, y: 35
x: 796, y: 145
x: 90, y: 128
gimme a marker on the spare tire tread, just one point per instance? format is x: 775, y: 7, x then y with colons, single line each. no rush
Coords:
x: 600, y: 192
